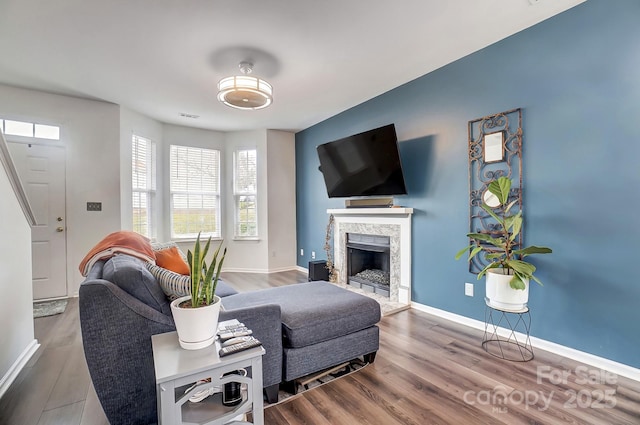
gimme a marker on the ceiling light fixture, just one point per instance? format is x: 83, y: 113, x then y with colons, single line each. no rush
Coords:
x: 245, y: 91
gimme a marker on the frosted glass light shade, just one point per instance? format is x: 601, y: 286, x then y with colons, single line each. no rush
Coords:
x: 245, y: 92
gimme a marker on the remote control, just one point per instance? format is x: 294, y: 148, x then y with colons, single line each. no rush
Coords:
x: 232, y: 349
x: 230, y: 327
x: 232, y: 330
x: 236, y: 340
x: 228, y: 335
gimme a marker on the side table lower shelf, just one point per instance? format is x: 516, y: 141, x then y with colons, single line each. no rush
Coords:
x: 181, y: 373
x: 211, y: 406
x: 512, y: 347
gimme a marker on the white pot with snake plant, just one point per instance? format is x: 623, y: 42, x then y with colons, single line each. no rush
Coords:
x: 196, y: 315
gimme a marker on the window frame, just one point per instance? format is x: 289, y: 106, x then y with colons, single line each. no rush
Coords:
x: 150, y: 171
x: 238, y: 193
x: 35, y: 132
x: 217, y: 222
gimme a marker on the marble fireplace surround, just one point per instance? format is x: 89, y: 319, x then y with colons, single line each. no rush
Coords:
x: 392, y: 222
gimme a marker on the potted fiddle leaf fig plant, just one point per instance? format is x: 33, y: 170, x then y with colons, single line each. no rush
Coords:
x: 196, y: 315
x: 508, y: 272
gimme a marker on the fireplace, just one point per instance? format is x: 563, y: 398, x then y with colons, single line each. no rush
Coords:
x: 382, y: 243
x: 368, y: 258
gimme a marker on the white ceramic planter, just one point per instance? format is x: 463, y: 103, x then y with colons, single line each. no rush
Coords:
x: 501, y: 295
x: 196, y: 327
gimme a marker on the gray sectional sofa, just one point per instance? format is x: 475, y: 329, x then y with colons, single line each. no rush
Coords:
x: 304, y: 328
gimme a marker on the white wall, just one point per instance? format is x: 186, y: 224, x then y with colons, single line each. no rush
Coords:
x: 281, y: 197
x: 90, y: 131
x: 16, y: 308
x: 247, y: 255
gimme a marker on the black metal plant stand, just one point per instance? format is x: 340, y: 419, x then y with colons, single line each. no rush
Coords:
x: 513, y: 347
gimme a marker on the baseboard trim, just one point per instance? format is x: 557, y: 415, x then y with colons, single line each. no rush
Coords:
x: 302, y: 269
x: 262, y: 271
x: 42, y: 300
x: 17, y: 366
x: 620, y: 369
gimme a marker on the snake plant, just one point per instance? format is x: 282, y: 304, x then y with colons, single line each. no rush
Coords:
x: 204, y: 278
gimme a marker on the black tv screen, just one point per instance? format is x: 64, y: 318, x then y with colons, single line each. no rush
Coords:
x: 365, y: 164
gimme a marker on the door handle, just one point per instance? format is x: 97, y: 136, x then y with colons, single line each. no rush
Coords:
x: 60, y: 229
x: 59, y: 218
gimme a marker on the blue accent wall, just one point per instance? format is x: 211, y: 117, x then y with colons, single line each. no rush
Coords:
x: 576, y: 77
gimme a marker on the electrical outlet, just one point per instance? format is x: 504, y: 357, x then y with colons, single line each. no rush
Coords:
x: 468, y: 289
x: 313, y: 255
x: 301, y: 252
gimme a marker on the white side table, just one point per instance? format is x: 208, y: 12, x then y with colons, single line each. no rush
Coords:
x: 178, y: 369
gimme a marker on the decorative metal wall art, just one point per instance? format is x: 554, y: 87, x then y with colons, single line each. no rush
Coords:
x: 495, y: 150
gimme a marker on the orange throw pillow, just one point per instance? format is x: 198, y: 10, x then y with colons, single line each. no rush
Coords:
x: 171, y: 259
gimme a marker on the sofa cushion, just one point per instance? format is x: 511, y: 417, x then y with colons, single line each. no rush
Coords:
x: 313, y: 312
x: 302, y: 361
x: 176, y: 285
x: 131, y: 275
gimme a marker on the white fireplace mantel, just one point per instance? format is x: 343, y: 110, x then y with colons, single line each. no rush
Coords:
x: 392, y: 222
x: 371, y: 211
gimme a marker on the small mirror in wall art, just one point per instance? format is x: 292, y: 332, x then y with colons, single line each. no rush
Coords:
x: 494, y: 147
x: 490, y: 199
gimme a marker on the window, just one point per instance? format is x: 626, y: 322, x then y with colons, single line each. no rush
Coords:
x: 245, y: 182
x: 143, y: 182
x: 18, y: 128
x: 195, y: 192
x: 29, y: 129
x: 51, y: 132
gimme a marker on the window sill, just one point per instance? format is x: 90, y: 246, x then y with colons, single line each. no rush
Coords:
x: 193, y: 240
x: 237, y: 239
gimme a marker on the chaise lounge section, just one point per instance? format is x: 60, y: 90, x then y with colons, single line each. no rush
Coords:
x: 322, y: 325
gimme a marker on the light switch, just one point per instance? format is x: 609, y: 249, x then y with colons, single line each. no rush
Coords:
x: 94, y: 206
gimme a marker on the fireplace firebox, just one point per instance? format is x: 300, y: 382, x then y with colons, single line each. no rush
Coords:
x: 368, y: 258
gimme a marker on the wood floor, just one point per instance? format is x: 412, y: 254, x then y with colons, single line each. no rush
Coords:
x: 54, y: 387
x: 428, y: 371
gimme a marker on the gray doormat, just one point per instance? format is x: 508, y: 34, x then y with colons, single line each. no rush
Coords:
x: 49, y: 308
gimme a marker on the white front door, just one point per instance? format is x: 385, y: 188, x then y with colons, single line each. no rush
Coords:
x: 42, y: 172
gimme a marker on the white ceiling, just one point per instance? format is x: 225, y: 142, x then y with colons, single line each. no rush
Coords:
x: 165, y: 57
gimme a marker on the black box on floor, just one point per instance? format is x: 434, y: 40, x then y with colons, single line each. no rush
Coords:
x: 318, y: 270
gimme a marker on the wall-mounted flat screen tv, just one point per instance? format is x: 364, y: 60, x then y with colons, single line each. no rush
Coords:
x: 365, y: 164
